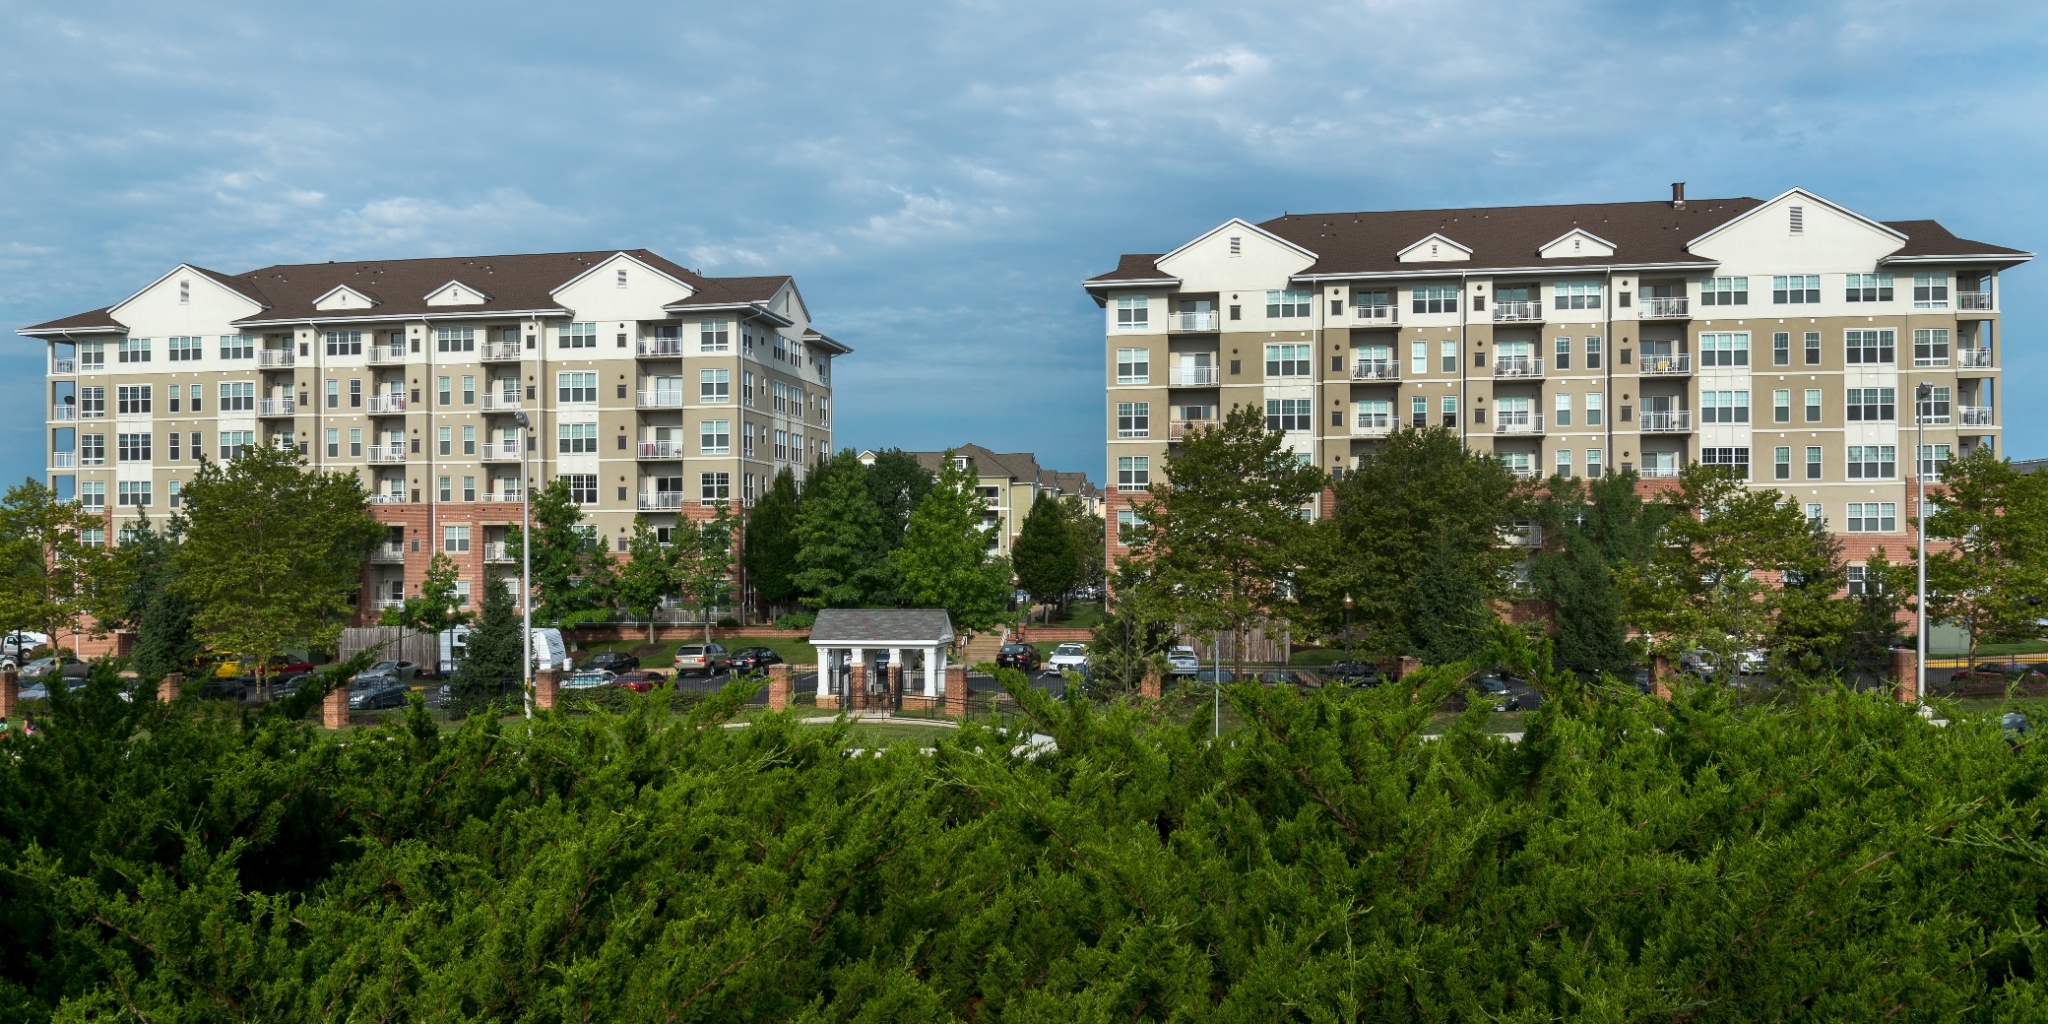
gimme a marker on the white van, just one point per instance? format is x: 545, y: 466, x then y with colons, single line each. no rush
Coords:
x: 549, y: 652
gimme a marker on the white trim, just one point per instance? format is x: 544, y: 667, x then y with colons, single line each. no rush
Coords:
x: 467, y: 314
x: 429, y: 296
x: 1238, y: 222
x: 173, y: 272
x: 1467, y: 270
x: 2003, y: 257
x: 1568, y: 234
x: 883, y: 645
x: 345, y: 288
x: 753, y: 308
x: 1135, y: 282
x: 638, y: 262
x: 1795, y: 190
x: 1434, y: 236
x: 30, y: 332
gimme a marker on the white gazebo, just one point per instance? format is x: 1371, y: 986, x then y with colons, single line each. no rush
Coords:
x: 851, y: 643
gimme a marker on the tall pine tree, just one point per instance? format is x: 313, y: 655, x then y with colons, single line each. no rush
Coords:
x: 770, y: 544
x: 1047, y: 564
x: 493, y: 650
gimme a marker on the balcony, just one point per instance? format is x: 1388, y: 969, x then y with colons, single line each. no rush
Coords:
x: 386, y: 405
x: 274, y: 407
x: 1674, y: 421
x: 665, y: 450
x: 1668, y: 366
x: 1517, y: 423
x: 64, y: 412
x: 1518, y: 311
x: 1974, y: 300
x: 500, y: 352
x: 1177, y: 429
x: 1193, y: 322
x: 387, y: 551
x: 1384, y: 316
x: 660, y: 348
x: 387, y: 498
x: 1518, y: 366
x: 1973, y: 357
x: 1372, y: 424
x: 1661, y: 307
x: 661, y: 501
x: 1659, y: 473
x: 274, y: 358
x: 1193, y: 376
x: 63, y: 460
x: 660, y: 399
x: 1376, y: 369
x: 497, y: 551
x: 63, y: 366
x: 387, y: 453
x: 386, y: 355
x: 1974, y: 416
x: 500, y: 403
x: 499, y: 451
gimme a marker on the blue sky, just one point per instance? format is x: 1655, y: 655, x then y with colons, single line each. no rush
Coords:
x: 940, y: 176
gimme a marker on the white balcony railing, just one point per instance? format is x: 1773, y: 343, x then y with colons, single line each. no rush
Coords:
x: 1662, y: 364
x: 385, y: 405
x: 661, y: 449
x: 1192, y: 321
x: 1517, y: 310
x: 1662, y: 307
x: 387, y: 498
x: 1372, y: 424
x: 660, y: 501
x: 1193, y: 376
x: 274, y: 358
x: 500, y: 351
x: 1377, y: 314
x: 387, y: 552
x: 1517, y: 422
x: 63, y: 460
x: 500, y: 402
x: 661, y: 399
x: 499, y: 451
x: 1973, y: 300
x: 387, y: 453
x: 1376, y: 369
x: 1673, y: 421
x: 1518, y: 366
x: 1978, y: 357
x: 1176, y: 429
x: 64, y: 412
x: 1659, y: 473
x: 384, y: 355
x: 497, y: 551
x: 1974, y: 415
x: 663, y: 348
x: 63, y: 366
x: 275, y: 407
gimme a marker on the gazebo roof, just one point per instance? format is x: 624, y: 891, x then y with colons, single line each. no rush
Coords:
x: 909, y: 627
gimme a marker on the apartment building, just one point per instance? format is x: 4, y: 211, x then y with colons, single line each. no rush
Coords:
x: 649, y: 388
x: 1008, y: 484
x: 1783, y: 338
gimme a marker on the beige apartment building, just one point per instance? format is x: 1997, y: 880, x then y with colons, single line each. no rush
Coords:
x: 649, y: 388
x: 1008, y: 483
x: 1783, y: 337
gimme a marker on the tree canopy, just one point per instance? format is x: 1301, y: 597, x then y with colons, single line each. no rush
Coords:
x: 945, y: 561
x: 842, y: 558
x: 1047, y: 561
x: 770, y: 542
x: 574, y: 575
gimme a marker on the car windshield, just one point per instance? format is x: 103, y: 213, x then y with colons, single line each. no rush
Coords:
x: 1068, y: 649
x: 1013, y: 648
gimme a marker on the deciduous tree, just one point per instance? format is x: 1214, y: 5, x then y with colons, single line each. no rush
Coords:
x: 649, y: 576
x: 945, y: 562
x: 771, y: 544
x: 55, y: 566
x: 1988, y: 564
x: 898, y: 485
x: 438, y: 606
x: 573, y: 573
x: 841, y: 561
x: 703, y: 562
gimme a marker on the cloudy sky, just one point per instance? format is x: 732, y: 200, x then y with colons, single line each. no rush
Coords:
x: 940, y: 176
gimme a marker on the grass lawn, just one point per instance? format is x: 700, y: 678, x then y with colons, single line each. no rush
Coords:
x: 1081, y: 615
x: 2022, y: 647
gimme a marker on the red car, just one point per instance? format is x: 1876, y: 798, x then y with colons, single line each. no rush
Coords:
x: 640, y: 682
x: 1983, y: 670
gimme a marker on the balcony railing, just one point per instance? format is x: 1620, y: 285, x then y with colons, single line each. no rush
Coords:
x: 497, y: 551
x: 1177, y: 429
x: 1518, y: 366
x: 275, y: 407
x: 1192, y: 322
x: 64, y: 412
x: 1973, y: 300
x: 63, y: 366
x: 387, y: 498
x: 274, y: 358
x: 1659, y: 473
x: 661, y: 399
x: 509, y: 492
x: 499, y: 451
x: 661, y: 449
x: 1661, y: 307
x: 1661, y: 364
x: 387, y: 453
x: 662, y: 348
x: 1974, y: 415
x: 1674, y: 421
x: 388, y: 552
x: 500, y: 402
x: 1193, y: 376
x: 63, y: 460
x: 385, y: 355
x: 1373, y: 424
x: 1388, y: 315
x: 381, y: 603
x: 660, y: 501
x: 1376, y: 369
x: 1517, y: 310
x: 500, y: 351
x: 1980, y: 357
x: 1517, y: 423
x: 385, y: 405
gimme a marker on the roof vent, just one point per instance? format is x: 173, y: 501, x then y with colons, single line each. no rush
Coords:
x: 1678, y: 195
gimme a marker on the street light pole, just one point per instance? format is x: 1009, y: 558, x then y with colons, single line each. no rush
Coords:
x: 1921, y: 396
x: 525, y: 567
x: 1347, y: 633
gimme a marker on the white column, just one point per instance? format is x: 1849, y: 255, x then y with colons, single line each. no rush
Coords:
x: 826, y: 663
x: 933, y: 657
x: 854, y: 656
x: 896, y: 664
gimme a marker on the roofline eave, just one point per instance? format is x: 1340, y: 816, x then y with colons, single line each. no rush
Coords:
x: 1595, y: 268
x: 294, y: 321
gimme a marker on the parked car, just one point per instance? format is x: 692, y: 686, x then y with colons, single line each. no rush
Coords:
x: 1702, y: 664
x: 753, y: 659
x: 640, y: 682
x: 376, y: 693
x: 41, y: 668
x: 590, y: 679
x: 1284, y: 677
x: 613, y: 661
x: 1068, y: 656
x: 1212, y: 675
x: 394, y: 671
x: 223, y: 689
x: 1353, y: 673
x: 1022, y: 657
x: 1982, y: 671
x: 17, y: 644
x: 703, y: 659
x: 1181, y: 661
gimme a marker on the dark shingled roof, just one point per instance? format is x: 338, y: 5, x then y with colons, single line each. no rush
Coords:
x: 1925, y: 238
x: 843, y: 626
x: 97, y: 320
x: 1507, y: 236
x: 1133, y: 267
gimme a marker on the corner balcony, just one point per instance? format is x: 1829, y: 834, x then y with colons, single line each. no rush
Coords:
x: 660, y: 348
x: 274, y: 358
x: 1676, y: 421
x: 387, y: 551
x: 499, y: 352
x: 1177, y: 429
x: 1666, y: 366
x: 1372, y: 424
x: 386, y: 355
x: 499, y: 451
x: 1193, y: 376
x: 63, y: 460
x: 1664, y: 308
x: 64, y: 412
x: 1193, y: 323
x: 1977, y: 358
x: 1518, y: 366
x: 387, y: 453
x: 659, y: 400
x: 661, y: 501
x: 1517, y: 423
x: 63, y: 366
x: 385, y: 405
x: 275, y: 408
x: 500, y: 403
x: 1658, y: 472
x: 1974, y: 416
x: 666, y: 451
x: 497, y: 551
x: 1518, y: 311
x: 1376, y: 369
x: 1376, y: 316
x: 1979, y: 301
x: 387, y: 498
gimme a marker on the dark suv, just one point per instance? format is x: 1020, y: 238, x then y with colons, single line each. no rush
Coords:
x: 613, y: 661
x: 753, y: 659
x: 1022, y: 657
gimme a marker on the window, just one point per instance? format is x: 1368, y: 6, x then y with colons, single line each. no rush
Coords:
x: 1813, y: 405
x: 446, y: 392
x: 714, y: 487
x: 469, y: 390
x: 575, y: 438
x: 1930, y: 291
x: 1869, y: 405
x: 1129, y: 528
x: 1287, y: 304
x: 186, y: 350
x: 1134, y: 419
x: 92, y: 403
x: 238, y: 346
x: 1813, y: 348
x: 1593, y: 408
x: 1575, y: 295
x: 1562, y: 356
x: 1133, y: 313
x: 1289, y: 413
x: 782, y: 446
x: 1418, y: 357
x: 355, y: 394
x: 714, y: 386
x: 1447, y: 356
x: 1448, y: 407
x: 1934, y: 461
x: 1724, y: 349
x: 747, y: 387
x: 576, y: 387
x: 1133, y: 366
x: 447, y: 491
x: 1288, y: 361
x: 132, y: 447
x: 1873, y: 516
x: 1873, y: 461
x: 173, y: 493
x: 1735, y: 459
x: 333, y: 444
x: 582, y: 487
x: 747, y: 440
x: 1593, y: 456
x: 92, y: 355
x: 1418, y: 412
x: 457, y: 339
x: 1436, y: 298
x: 134, y: 350
x: 1868, y: 346
x: 355, y: 442
x: 1564, y: 462
x: 1592, y: 353
x: 1724, y: 291
x: 1936, y: 408
x: 714, y: 437
x: 1930, y: 346
x: 1518, y: 463
x: 238, y: 397
x: 131, y: 399
x: 344, y: 343
x: 781, y: 402
x: 1813, y: 462
x: 1133, y: 473
x: 234, y: 442
x: 1781, y: 463
x: 714, y: 335
x: 576, y: 336
x: 1781, y: 349
x: 1869, y: 288
x: 333, y: 395
x: 1863, y: 582
x: 1376, y: 414
x: 1561, y: 412
x: 92, y: 494
x: 1795, y: 289
x: 172, y: 438
x: 454, y: 539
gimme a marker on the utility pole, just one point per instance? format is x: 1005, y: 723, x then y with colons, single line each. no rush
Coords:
x: 1922, y: 395
x: 525, y: 565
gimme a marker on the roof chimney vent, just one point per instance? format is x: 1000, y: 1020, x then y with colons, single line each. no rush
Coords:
x: 1678, y: 195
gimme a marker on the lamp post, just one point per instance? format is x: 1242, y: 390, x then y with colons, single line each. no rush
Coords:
x: 1921, y: 396
x: 525, y: 568
x: 1347, y: 632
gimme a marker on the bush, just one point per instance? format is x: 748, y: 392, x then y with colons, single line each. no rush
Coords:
x: 728, y: 622
x: 797, y: 620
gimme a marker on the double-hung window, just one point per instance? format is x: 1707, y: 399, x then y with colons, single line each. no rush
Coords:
x: 455, y: 539
x: 1724, y: 406
x: 1575, y: 295
x: 132, y: 447
x: 1133, y: 366
x: 1447, y: 356
x: 1734, y: 459
x: 1873, y: 516
x: 132, y: 399
x: 186, y: 349
x: 1561, y: 411
x: 1813, y: 348
x: 714, y: 386
x: 1594, y: 410
x: 1133, y: 312
x: 1418, y: 412
x: 1936, y: 408
x: 135, y: 492
x: 1289, y: 413
x: 1870, y: 346
x: 1288, y: 361
x: 235, y: 442
x: 1930, y: 346
x: 134, y: 350
x: 1418, y: 357
x: 1930, y: 291
x: 1870, y: 405
x: 1781, y: 348
x: 1795, y: 289
x: 1869, y: 288
x: 1724, y: 291
x: 1435, y: 298
x: 1376, y: 415
x: 576, y: 438
x: 1133, y: 473
x: 92, y: 449
x: 1781, y: 463
x: 714, y: 335
x: 1129, y: 528
x: 1813, y: 405
x: 582, y: 487
x: 576, y: 387
x: 576, y: 336
x: 1294, y: 302
x: 1781, y: 406
x: 1873, y: 461
x: 92, y: 355
x: 344, y: 343
x: 446, y: 391
x: 461, y: 339
x: 1724, y: 349
x: 446, y: 437
x: 1813, y: 462
x: 714, y: 487
x: 238, y: 346
x: 1592, y: 353
x: 1934, y: 461
x: 1561, y: 356
x: 238, y: 396
x: 714, y: 437
x: 1134, y: 419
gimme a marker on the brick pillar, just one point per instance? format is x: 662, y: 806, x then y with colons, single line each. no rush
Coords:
x: 544, y: 689
x: 1905, y: 672
x: 856, y: 687
x: 334, y: 708
x: 956, y: 691
x: 10, y: 692
x: 1660, y: 674
x: 1405, y: 665
x: 167, y: 690
x: 1149, y: 685
x: 778, y: 687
